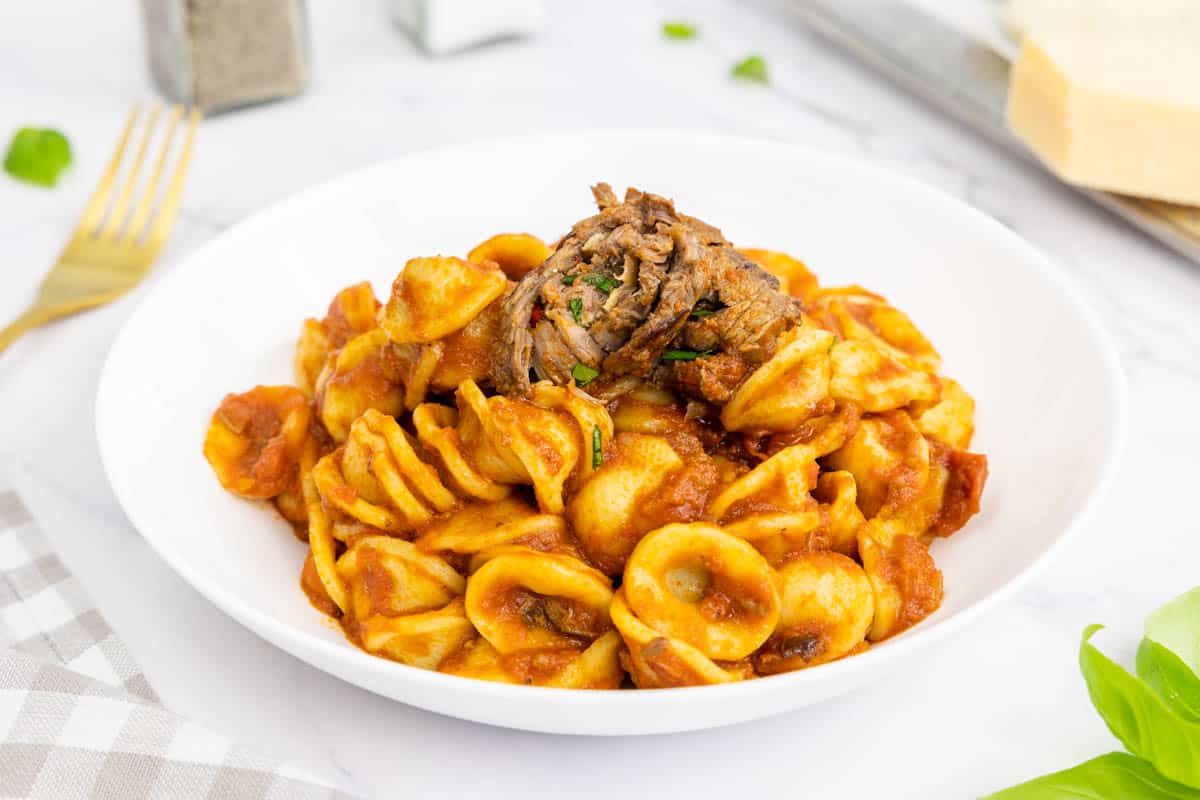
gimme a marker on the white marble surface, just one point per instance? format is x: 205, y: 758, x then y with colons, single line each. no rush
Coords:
x: 997, y: 704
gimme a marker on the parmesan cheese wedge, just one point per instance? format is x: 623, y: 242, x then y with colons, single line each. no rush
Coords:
x: 1107, y: 93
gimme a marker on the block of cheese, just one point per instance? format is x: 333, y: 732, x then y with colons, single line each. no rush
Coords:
x: 1107, y: 93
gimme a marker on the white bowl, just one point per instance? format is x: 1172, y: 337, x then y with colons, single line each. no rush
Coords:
x: 1049, y: 389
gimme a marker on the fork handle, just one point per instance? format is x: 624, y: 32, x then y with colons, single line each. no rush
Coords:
x: 23, y: 324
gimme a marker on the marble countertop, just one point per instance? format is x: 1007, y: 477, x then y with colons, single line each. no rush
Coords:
x: 999, y: 703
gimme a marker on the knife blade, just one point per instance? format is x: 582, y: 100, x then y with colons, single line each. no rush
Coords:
x: 969, y: 80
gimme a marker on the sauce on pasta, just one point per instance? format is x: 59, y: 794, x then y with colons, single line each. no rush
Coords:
x: 636, y: 457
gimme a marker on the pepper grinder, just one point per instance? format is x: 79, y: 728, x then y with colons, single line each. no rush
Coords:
x: 218, y: 55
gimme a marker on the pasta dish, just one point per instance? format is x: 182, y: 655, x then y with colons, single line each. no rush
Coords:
x: 637, y: 456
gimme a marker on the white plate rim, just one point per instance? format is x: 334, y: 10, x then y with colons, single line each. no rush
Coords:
x: 296, y: 642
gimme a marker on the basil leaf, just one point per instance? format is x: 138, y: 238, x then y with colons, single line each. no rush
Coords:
x: 576, y: 306
x: 601, y: 281
x: 1139, y: 718
x: 567, y: 280
x: 684, y: 355
x: 701, y: 313
x: 753, y: 68
x: 1165, y: 673
x: 583, y: 374
x: 1116, y: 775
x: 678, y: 30
x: 1176, y: 626
x: 597, y: 451
x: 37, y: 155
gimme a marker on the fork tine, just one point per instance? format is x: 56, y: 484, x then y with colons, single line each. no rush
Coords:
x: 145, y: 205
x: 167, y: 211
x: 95, y: 207
x: 117, y: 215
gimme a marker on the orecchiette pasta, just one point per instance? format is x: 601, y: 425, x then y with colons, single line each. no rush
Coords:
x: 483, y: 528
x: 515, y: 253
x: 826, y: 610
x: 528, y: 600
x: 596, y: 667
x: 402, y: 603
x: 703, y: 586
x: 866, y: 374
x: 255, y: 440
x: 951, y: 418
x: 434, y: 297
x: 906, y: 584
x: 367, y: 373
x: 378, y: 478
x: 513, y: 441
x: 606, y: 513
x: 788, y: 389
x: 655, y: 661
x: 421, y: 640
x: 465, y: 354
x: 545, y: 620
x: 758, y: 495
x: 353, y: 311
x: 840, y: 514
x: 857, y: 314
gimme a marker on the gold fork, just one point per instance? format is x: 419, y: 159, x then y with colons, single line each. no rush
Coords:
x: 117, y: 240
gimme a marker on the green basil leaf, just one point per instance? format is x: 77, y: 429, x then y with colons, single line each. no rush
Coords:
x: 583, y: 374
x: 1116, y: 775
x: 753, y: 68
x: 567, y: 280
x: 576, y: 306
x: 1174, y: 680
x: 37, y: 155
x: 679, y: 30
x: 701, y: 313
x: 1176, y: 626
x: 1138, y: 717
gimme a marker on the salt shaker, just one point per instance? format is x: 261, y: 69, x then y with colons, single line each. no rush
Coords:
x: 222, y: 54
x: 444, y: 26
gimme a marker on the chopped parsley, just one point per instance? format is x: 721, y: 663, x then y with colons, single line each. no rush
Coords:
x: 753, y: 68
x: 679, y: 30
x: 576, y: 306
x: 597, y: 452
x: 583, y: 374
x: 604, y: 283
x: 685, y: 355
x: 567, y: 280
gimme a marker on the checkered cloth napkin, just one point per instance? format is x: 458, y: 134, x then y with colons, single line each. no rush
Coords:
x: 78, y: 719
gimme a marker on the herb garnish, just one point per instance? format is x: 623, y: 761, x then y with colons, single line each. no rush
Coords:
x: 1155, y: 714
x: 601, y: 281
x: 576, y: 306
x: 753, y: 68
x: 678, y: 30
x: 37, y: 155
x: 685, y: 355
x: 583, y: 374
x: 706, y: 308
x: 597, y: 453
x: 567, y: 280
